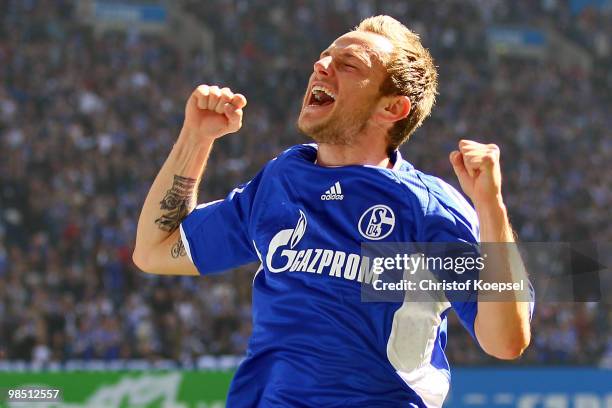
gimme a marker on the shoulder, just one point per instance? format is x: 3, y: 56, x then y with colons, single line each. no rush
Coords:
x: 436, y: 198
x: 297, y: 153
x: 447, y: 195
x: 301, y: 152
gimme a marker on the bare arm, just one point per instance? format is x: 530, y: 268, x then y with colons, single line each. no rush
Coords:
x: 209, y: 114
x: 502, y: 324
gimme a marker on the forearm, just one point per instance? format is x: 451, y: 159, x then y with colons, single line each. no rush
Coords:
x: 210, y: 113
x: 502, y: 322
x: 173, y: 194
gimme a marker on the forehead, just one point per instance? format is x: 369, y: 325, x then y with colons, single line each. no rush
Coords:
x: 368, y: 45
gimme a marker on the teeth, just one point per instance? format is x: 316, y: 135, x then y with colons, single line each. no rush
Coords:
x: 322, y: 89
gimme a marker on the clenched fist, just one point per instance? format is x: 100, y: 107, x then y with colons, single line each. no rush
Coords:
x: 212, y: 112
x: 477, y: 168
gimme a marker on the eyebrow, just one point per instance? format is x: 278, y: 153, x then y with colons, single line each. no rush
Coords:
x: 345, y: 54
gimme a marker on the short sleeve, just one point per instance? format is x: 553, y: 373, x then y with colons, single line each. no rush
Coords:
x: 452, y: 222
x: 216, y: 234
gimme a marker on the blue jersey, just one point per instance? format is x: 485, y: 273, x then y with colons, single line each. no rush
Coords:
x: 315, y: 342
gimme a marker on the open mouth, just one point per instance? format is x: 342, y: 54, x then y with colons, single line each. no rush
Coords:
x: 321, y: 96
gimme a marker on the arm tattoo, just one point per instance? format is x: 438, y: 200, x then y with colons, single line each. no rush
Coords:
x: 178, y: 249
x: 176, y: 202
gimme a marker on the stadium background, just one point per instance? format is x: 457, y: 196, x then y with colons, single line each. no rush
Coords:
x: 91, y: 99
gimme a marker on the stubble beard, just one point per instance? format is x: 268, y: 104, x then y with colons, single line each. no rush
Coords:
x: 339, y: 129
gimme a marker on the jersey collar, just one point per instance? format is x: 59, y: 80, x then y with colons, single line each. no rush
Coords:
x: 396, y: 158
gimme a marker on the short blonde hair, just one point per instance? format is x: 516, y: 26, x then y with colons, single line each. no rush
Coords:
x: 411, y: 72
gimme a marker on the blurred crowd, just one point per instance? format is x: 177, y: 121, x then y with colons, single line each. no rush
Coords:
x: 86, y: 121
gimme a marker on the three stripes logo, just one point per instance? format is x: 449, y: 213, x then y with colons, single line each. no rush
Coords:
x: 333, y: 193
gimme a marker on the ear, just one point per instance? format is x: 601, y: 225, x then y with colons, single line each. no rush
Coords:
x: 393, y: 108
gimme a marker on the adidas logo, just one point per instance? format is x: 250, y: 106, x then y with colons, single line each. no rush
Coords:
x: 334, y: 193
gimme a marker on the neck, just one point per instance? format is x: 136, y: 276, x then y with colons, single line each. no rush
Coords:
x: 341, y: 155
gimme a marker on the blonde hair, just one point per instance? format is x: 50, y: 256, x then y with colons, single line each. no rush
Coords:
x: 411, y: 72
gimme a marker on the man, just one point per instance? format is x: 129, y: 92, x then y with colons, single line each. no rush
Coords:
x: 304, y: 217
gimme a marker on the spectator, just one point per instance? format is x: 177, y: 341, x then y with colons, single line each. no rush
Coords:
x: 86, y: 120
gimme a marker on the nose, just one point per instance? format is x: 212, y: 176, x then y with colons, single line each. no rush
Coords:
x: 323, y: 66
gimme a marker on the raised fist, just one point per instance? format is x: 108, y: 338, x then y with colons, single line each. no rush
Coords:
x: 477, y: 168
x: 212, y: 112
